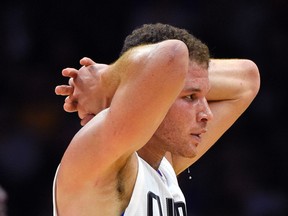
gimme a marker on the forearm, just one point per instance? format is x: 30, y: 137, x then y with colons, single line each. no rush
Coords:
x: 232, y: 79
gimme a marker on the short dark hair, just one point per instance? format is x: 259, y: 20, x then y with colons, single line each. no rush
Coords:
x: 154, y: 33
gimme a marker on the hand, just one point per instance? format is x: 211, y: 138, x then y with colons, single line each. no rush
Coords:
x: 67, y: 90
x: 85, y: 90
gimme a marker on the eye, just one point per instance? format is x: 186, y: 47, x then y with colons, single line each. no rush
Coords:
x: 190, y: 97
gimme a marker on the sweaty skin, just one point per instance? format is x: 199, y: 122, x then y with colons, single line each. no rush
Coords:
x: 121, y: 114
x: 100, y: 160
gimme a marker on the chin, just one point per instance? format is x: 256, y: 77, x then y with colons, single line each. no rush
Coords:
x: 192, y: 155
x: 189, y: 153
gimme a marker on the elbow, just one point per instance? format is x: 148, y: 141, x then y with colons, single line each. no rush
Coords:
x: 252, y: 76
x: 178, y: 49
x: 177, y: 57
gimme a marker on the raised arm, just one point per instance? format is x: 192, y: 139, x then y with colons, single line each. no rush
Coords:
x: 147, y: 81
x: 234, y: 85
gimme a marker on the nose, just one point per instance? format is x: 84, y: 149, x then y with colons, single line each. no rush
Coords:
x: 205, y: 113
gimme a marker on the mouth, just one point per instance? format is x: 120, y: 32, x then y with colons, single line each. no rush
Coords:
x: 196, y: 139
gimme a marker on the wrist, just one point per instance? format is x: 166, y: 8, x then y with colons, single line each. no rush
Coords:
x: 111, y: 80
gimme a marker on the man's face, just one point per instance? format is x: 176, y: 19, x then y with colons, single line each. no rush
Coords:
x: 180, y: 132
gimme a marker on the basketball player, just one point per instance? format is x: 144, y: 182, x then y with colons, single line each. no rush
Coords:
x: 146, y: 118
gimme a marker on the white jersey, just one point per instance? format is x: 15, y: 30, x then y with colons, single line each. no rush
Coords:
x: 156, y: 193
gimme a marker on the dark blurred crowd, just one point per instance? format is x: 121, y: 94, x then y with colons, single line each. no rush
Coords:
x: 244, y: 174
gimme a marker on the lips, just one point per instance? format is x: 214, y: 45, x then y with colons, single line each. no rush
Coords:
x: 196, y: 138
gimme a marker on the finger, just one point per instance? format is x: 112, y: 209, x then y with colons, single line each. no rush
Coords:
x: 87, y: 61
x: 69, y: 107
x: 86, y: 119
x: 64, y: 90
x: 71, y: 82
x: 70, y: 72
x: 70, y: 100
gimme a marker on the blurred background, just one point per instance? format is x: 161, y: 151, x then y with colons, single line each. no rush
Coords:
x: 244, y: 174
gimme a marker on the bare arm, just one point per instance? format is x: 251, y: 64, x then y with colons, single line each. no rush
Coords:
x: 234, y: 85
x: 149, y: 80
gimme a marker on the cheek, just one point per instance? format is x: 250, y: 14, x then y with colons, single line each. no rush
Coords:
x: 164, y: 130
x: 181, y: 113
x: 180, y: 119
x: 174, y: 124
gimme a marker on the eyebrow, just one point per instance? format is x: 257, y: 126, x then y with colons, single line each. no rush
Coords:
x: 191, y: 89
x: 195, y: 89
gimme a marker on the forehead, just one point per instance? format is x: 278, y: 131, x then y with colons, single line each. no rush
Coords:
x: 197, y: 77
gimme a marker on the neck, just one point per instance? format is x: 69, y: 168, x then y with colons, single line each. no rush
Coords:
x: 151, y: 155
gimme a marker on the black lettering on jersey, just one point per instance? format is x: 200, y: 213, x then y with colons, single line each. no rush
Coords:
x: 180, y: 207
x: 173, y: 208
x: 150, y: 197
x: 170, y: 206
